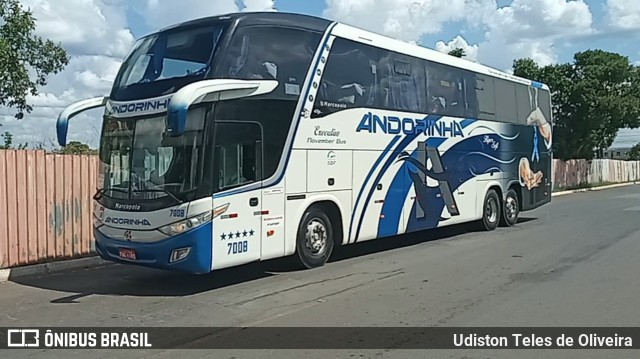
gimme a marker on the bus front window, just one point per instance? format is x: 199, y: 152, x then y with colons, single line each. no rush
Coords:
x: 163, y: 62
x: 140, y: 162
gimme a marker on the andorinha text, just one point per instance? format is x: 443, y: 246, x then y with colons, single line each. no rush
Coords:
x: 409, y: 126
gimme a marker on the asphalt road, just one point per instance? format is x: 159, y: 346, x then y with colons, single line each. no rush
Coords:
x: 571, y: 263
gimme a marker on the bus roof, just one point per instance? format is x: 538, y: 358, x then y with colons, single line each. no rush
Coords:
x: 314, y: 23
x: 261, y: 18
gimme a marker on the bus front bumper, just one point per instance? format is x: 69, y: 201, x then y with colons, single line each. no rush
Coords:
x: 196, y: 244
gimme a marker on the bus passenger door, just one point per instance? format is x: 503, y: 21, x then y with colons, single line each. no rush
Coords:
x: 237, y: 227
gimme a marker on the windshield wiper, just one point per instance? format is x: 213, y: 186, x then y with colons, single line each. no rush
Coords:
x: 161, y: 190
x: 102, y: 191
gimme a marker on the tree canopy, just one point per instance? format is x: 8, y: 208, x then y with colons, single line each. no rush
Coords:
x: 458, y: 52
x: 26, y: 62
x: 77, y: 148
x: 593, y: 97
x: 634, y: 154
x: 22, y: 53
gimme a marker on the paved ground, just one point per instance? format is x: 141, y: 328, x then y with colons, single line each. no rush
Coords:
x: 572, y: 263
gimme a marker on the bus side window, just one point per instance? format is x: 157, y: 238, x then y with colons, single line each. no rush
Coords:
x: 445, y: 91
x: 486, y: 97
x: 524, y: 103
x: 544, y: 102
x: 272, y: 53
x: 238, y: 154
x: 506, y: 102
x: 349, y: 79
x: 402, y: 83
x: 470, y: 95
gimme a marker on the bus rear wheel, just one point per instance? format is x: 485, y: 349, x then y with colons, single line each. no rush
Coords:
x: 491, y: 211
x: 315, y: 240
x: 511, y: 209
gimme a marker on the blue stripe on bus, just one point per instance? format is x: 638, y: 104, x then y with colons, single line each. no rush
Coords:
x: 366, y: 180
x: 403, y: 144
x: 395, y: 198
x: 466, y: 122
x: 536, y: 84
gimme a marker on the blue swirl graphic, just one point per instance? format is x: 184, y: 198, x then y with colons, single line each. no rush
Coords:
x: 491, y: 157
x: 504, y: 137
x: 535, y: 156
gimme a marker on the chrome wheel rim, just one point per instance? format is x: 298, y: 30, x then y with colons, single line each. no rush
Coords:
x: 511, y: 208
x: 492, y: 210
x: 316, y: 237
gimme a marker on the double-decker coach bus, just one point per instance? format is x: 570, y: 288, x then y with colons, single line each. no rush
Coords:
x: 252, y: 136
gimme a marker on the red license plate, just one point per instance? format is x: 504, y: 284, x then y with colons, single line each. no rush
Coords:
x: 127, y: 253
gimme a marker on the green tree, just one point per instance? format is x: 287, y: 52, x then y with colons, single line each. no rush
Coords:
x: 7, y: 141
x: 458, y: 52
x: 594, y: 96
x: 77, y: 148
x: 22, y: 53
x: 634, y: 154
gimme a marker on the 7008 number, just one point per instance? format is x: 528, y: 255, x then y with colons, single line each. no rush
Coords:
x: 238, y: 247
x: 180, y: 213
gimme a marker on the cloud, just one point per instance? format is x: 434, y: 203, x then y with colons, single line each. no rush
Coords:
x: 406, y: 20
x: 527, y: 20
x: 84, y: 27
x: 624, y: 14
x: 96, y: 37
x: 159, y: 14
x: 524, y: 28
x: 259, y: 5
x: 531, y: 28
x: 471, y: 51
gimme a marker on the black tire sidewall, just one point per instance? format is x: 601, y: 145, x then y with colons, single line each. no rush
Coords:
x: 304, y: 256
x: 485, y: 221
x: 511, y: 193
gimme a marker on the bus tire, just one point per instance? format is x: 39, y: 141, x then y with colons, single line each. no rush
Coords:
x: 491, y: 211
x: 511, y: 209
x: 315, y: 239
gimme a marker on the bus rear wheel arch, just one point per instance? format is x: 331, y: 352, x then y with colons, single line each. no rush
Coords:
x: 317, y: 234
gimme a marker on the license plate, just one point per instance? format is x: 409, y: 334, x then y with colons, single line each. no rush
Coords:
x: 127, y: 253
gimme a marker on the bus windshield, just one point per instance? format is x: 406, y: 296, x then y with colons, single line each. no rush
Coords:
x: 140, y: 162
x: 163, y: 62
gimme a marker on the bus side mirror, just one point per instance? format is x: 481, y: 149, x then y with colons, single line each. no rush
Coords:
x: 211, y: 91
x: 62, y: 126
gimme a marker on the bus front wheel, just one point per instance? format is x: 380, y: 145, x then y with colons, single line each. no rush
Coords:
x: 314, y: 242
x: 491, y: 210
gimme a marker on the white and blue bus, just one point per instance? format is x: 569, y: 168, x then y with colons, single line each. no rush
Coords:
x: 246, y: 137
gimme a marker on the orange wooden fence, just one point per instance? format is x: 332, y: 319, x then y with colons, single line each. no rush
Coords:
x: 46, y: 201
x: 576, y: 173
x: 45, y: 206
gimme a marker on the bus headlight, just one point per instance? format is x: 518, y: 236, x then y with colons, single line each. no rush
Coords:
x: 186, y: 225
